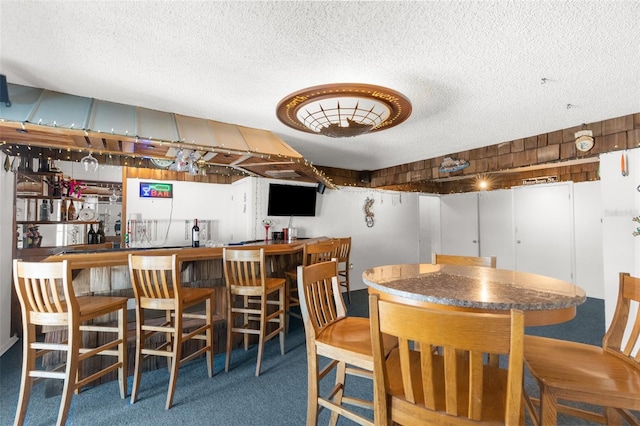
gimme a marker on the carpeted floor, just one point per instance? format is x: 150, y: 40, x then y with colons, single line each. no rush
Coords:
x: 277, y: 397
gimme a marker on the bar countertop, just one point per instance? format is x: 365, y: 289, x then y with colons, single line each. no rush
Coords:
x: 119, y: 257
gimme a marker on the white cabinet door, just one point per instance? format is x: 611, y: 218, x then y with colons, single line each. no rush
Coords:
x: 543, y: 219
x: 496, y: 227
x: 459, y: 224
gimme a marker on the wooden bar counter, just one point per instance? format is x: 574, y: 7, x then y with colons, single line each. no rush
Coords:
x: 105, y: 272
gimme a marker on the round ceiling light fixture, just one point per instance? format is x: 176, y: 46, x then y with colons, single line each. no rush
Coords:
x: 343, y: 109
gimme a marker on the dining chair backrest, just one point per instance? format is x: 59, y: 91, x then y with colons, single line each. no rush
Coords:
x: 447, y: 259
x: 455, y: 381
x: 155, y: 280
x: 45, y: 291
x: 321, y: 304
x: 244, y: 270
x: 321, y: 251
x: 626, y: 320
x: 344, y: 251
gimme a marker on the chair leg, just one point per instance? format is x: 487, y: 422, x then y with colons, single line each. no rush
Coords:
x: 26, y: 382
x: 230, y: 321
x: 71, y: 373
x: 140, y: 343
x: 282, y: 316
x: 548, y: 406
x: 312, y: 387
x: 122, y: 351
x: 346, y: 285
x: 176, y: 355
x: 245, y: 323
x: 209, y: 335
x: 613, y: 416
x: 341, y: 375
x: 263, y: 328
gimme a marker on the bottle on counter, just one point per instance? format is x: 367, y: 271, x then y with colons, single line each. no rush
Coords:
x: 100, y: 237
x: 195, y: 234
x: 63, y: 210
x: 71, y: 211
x: 91, y: 235
x: 44, y: 211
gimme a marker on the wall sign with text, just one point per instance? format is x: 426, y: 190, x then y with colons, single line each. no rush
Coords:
x: 156, y: 190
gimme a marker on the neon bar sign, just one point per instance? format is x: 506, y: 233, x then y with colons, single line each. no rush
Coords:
x: 156, y: 190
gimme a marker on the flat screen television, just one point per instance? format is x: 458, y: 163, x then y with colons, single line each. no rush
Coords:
x: 291, y: 200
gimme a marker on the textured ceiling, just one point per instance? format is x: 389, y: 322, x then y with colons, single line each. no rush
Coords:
x: 473, y: 71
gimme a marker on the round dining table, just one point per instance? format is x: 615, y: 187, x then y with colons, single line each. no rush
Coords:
x: 544, y: 300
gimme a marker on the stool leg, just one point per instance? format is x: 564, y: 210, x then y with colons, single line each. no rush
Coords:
x: 140, y: 343
x: 230, y: 321
x: 28, y: 364
x: 283, y: 296
x: 122, y: 351
x: 263, y: 327
x: 312, y: 388
x: 71, y: 372
x: 209, y: 335
x: 176, y: 355
x: 341, y: 369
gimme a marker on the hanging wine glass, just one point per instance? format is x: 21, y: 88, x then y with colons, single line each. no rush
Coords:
x: 113, y: 198
x: 90, y: 163
x: 181, y: 163
x: 192, y: 165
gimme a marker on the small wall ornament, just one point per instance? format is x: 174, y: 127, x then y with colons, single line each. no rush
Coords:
x: 368, y: 214
x: 637, y: 231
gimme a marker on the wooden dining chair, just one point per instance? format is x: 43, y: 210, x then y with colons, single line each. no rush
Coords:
x: 46, y: 295
x: 345, y: 341
x: 250, y: 296
x: 607, y: 376
x: 157, y: 287
x: 316, y: 252
x: 344, y: 253
x: 448, y: 259
x: 454, y: 386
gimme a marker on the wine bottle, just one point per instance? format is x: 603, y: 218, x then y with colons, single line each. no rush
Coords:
x: 71, y: 212
x: 195, y: 234
x: 100, y: 237
x: 91, y: 236
x: 44, y: 211
x: 63, y: 210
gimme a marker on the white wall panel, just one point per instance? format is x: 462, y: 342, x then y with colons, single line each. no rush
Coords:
x: 587, y: 206
x: 620, y: 203
x: 496, y: 227
x: 459, y: 224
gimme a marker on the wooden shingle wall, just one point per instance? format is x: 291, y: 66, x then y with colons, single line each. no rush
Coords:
x: 495, y: 161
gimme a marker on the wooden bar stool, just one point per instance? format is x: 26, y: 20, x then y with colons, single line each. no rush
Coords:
x: 248, y: 296
x: 47, y: 298
x: 454, y: 386
x: 606, y: 376
x: 345, y: 341
x: 157, y: 287
x: 320, y: 251
x: 344, y: 253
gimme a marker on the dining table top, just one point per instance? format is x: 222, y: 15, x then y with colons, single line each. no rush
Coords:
x: 544, y: 300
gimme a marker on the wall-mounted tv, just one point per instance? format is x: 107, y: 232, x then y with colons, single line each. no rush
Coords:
x: 291, y: 200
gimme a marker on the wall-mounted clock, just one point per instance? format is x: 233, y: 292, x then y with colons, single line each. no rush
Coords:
x: 162, y: 163
x: 584, y: 140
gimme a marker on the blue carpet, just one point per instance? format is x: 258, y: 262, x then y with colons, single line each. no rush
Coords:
x: 277, y: 397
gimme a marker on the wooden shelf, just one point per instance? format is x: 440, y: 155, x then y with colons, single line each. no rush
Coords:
x: 56, y: 222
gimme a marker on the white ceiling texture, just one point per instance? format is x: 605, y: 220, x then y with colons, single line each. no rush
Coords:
x: 476, y: 73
